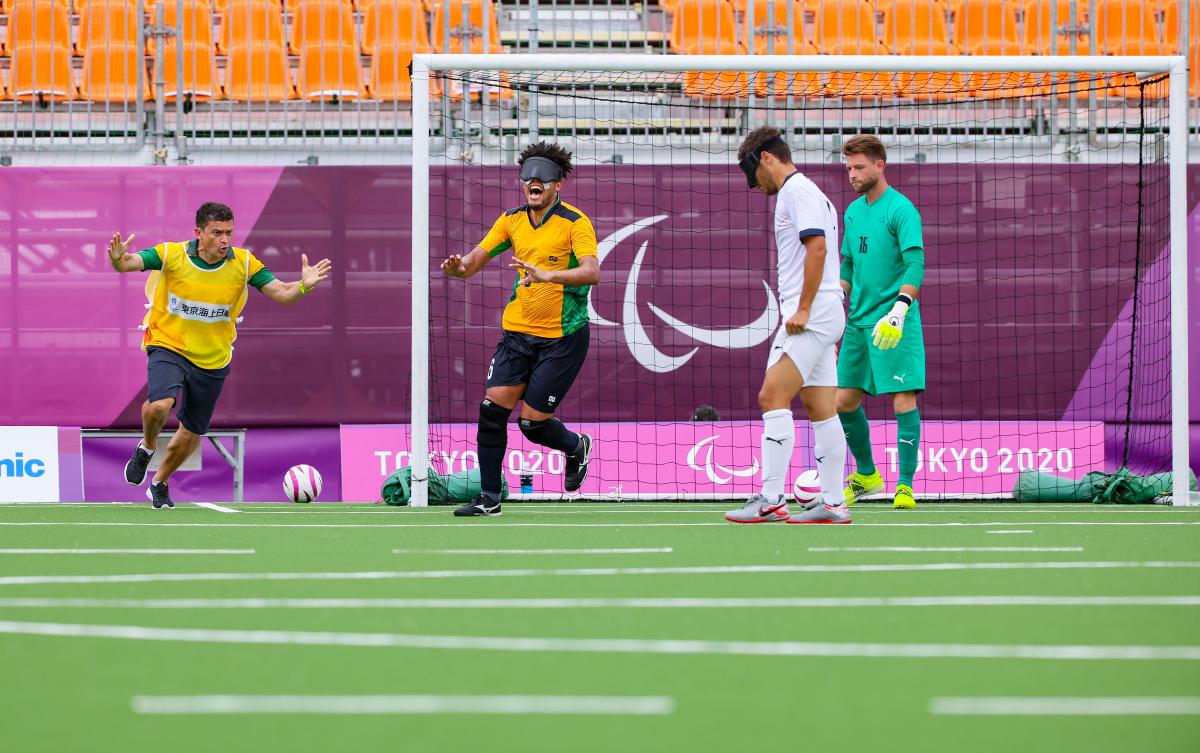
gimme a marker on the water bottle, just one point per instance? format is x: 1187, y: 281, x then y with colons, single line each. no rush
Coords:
x: 526, y: 478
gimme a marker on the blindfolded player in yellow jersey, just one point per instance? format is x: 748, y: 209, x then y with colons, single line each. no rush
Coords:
x: 196, y: 294
x: 545, y: 340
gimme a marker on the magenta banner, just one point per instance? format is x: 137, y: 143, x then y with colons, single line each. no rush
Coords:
x: 1027, y: 301
x: 721, y: 459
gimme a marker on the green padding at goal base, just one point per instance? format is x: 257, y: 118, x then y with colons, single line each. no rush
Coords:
x: 1121, y: 488
x: 454, y: 489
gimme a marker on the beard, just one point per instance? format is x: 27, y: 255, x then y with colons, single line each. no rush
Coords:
x: 866, y: 185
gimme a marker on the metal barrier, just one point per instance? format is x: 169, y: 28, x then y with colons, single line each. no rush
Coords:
x: 172, y: 78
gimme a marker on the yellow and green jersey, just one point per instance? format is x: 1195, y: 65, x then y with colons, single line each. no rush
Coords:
x: 193, y: 305
x: 564, y: 236
x: 882, y: 249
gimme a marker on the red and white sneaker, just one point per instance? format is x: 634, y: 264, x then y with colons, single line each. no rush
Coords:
x: 759, y: 509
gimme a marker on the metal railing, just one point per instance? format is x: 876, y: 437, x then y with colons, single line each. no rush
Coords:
x: 179, y: 84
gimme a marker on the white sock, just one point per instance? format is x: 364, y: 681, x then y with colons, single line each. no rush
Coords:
x: 829, y: 449
x: 778, y: 440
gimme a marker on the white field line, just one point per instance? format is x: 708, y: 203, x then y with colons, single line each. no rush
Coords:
x: 611, y: 645
x: 218, y: 508
x: 404, y: 704
x: 644, y: 550
x: 126, y: 551
x: 492, y: 526
x: 1084, y: 706
x: 715, y: 509
x: 781, y: 602
x: 30, y: 580
x: 945, y: 548
x: 1009, y: 531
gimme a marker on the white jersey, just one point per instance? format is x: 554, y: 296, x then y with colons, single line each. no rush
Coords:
x: 802, y: 211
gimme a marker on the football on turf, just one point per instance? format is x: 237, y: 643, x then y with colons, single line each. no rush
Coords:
x: 807, y: 487
x: 302, y: 483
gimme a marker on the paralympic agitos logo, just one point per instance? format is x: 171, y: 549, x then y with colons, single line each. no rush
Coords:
x: 637, y: 338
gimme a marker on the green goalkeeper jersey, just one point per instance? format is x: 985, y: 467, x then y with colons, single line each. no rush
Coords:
x: 882, y: 249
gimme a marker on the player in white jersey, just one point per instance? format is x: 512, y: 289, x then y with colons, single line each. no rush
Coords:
x: 803, y: 359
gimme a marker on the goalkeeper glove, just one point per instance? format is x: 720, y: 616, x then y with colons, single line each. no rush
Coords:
x: 890, y: 328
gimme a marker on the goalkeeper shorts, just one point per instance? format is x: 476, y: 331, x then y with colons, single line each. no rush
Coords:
x: 813, y: 351
x: 864, y: 367
x: 547, y: 366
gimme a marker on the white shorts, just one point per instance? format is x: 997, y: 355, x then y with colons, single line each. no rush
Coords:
x: 814, y: 351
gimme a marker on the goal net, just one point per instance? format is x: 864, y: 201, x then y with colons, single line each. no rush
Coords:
x: 1045, y: 198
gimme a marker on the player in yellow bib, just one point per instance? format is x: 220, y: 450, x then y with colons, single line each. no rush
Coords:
x: 545, y: 340
x: 195, y: 296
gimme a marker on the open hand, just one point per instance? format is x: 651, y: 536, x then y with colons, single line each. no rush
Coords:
x: 454, y: 267
x: 317, y: 273
x: 117, y: 248
x: 530, y: 273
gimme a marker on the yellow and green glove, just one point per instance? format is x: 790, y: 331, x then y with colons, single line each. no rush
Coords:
x: 890, y: 328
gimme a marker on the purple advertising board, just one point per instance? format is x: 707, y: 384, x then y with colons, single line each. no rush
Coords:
x: 1027, y: 301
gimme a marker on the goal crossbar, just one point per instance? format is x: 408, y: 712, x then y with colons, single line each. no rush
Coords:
x: 1174, y: 66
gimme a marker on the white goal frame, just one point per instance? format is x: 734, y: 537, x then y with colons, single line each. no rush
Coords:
x: 1174, y: 66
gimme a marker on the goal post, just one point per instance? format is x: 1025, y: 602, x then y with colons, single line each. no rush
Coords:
x: 428, y: 69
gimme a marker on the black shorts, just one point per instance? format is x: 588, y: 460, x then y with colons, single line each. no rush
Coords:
x: 167, y: 372
x: 546, y: 365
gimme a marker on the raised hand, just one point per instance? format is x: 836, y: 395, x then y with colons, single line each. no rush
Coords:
x: 311, y: 276
x: 531, y: 273
x: 117, y: 248
x: 454, y: 266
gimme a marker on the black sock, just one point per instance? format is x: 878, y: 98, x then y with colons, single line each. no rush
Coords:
x: 491, y: 462
x: 551, y: 433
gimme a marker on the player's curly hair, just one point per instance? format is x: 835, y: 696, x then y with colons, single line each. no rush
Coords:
x: 754, y: 141
x: 552, y: 152
x: 211, y: 211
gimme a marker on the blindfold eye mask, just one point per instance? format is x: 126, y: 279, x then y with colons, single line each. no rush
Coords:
x: 749, y: 163
x: 540, y: 168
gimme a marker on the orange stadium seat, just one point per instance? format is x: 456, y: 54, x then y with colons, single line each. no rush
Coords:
x: 987, y: 27
x: 932, y: 86
x: 802, y: 84
x: 704, y: 27
x: 199, y: 79
x: 318, y: 23
x: 31, y: 22
x: 197, y: 26
x: 1171, y: 29
x: 1040, y: 37
x: 1130, y: 27
x: 330, y: 71
x: 42, y: 73
x: 858, y: 83
x: 839, y: 22
x: 258, y: 74
x: 447, y: 36
x: 907, y: 22
x: 743, y: 6
x: 395, y: 23
x: 114, y: 21
x: 768, y: 33
x: 251, y: 23
x: 389, y: 73
x: 110, y: 73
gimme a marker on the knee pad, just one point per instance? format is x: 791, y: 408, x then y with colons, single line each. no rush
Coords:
x: 539, y: 432
x: 493, y: 424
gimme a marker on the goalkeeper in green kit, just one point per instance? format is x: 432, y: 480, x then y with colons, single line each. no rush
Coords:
x: 883, y: 352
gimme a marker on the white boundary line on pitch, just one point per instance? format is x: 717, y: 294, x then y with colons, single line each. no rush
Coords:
x: 127, y: 551
x: 644, y: 550
x: 1002, y: 532
x: 1082, y: 706
x: 218, y: 508
x: 498, y: 526
x: 908, y: 569
x: 405, y: 704
x: 716, y: 508
x: 773, y: 602
x: 945, y: 548
x: 611, y: 645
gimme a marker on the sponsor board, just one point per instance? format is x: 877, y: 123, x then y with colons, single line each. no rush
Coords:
x: 723, y: 458
x: 40, y: 464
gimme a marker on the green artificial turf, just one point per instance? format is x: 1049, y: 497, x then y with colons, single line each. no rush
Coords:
x: 75, y: 692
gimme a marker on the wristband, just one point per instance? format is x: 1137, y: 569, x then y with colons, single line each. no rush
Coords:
x: 303, y: 290
x: 905, y: 299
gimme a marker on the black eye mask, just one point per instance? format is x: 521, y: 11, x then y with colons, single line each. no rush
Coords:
x: 749, y: 163
x: 540, y: 168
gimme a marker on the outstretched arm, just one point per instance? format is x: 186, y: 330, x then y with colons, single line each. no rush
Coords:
x: 119, y: 256
x: 466, y: 266
x: 310, y: 277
